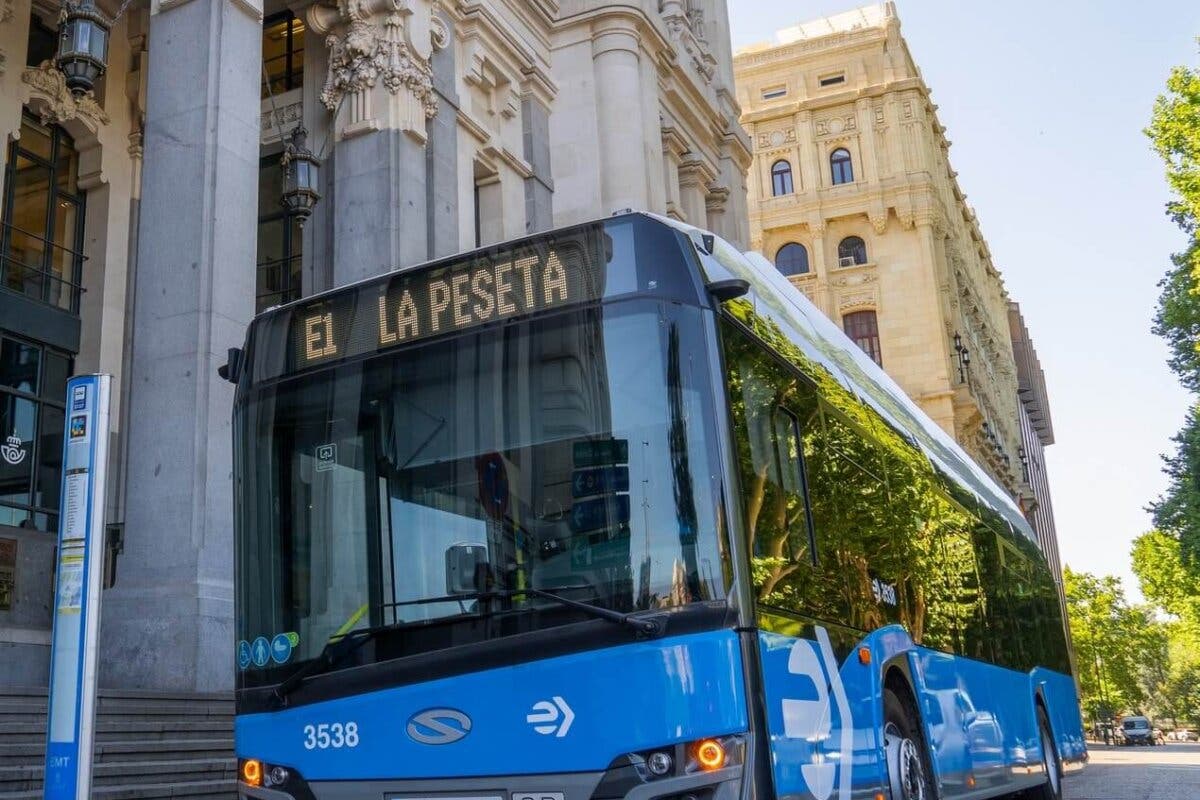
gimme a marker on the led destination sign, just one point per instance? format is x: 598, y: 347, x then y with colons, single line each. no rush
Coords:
x: 415, y: 305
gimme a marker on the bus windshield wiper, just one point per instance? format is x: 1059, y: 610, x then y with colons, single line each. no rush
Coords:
x: 649, y: 627
x: 341, y: 647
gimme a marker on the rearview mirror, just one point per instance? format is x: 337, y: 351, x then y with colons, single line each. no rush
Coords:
x: 466, y: 568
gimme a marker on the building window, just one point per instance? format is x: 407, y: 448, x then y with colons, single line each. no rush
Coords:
x: 863, y: 328
x: 792, y: 259
x: 781, y: 178
x: 774, y: 93
x: 283, y: 52
x: 33, y: 389
x: 852, y: 251
x: 280, y: 245
x: 41, y: 236
x: 832, y: 80
x: 841, y: 167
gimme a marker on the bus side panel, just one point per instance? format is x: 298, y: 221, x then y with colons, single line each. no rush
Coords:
x: 823, y: 719
x: 1062, y: 707
x: 981, y: 721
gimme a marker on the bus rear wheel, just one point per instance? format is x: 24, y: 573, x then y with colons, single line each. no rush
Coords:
x: 1052, y: 788
x: 909, y: 770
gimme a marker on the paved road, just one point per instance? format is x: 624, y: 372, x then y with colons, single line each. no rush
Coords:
x: 1169, y: 772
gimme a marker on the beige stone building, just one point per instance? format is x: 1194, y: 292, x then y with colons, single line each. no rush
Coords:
x: 852, y: 196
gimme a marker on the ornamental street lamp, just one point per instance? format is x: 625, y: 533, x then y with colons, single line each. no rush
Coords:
x: 301, y: 170
x: 83, y: 44
x: 964, y: 358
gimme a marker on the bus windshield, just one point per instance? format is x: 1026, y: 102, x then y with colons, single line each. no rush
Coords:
x: 569, y: 452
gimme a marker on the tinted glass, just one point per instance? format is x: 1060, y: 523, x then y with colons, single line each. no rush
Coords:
x: 854, y: 249
x: 781, y: 178
x: 50, y: 451
x: 18, y: 426
x: 768, y: 404
x: 56, y: 370
x: 792, y: 259
x: 19, y: 363
x: 571, y: 452
x: 841, y: 168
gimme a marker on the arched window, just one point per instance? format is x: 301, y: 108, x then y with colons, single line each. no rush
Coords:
x: 841, y: 167
x: 781, y: 178
x: 863, y: 328
x: 851, y: 251
x: 792, y: 259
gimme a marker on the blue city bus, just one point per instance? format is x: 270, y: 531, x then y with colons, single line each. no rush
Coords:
x: 614, y: 512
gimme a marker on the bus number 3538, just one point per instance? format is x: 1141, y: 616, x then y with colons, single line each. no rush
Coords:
x: 333, y: 735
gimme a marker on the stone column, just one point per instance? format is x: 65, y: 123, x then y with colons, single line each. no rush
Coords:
x: 623, y: 169
x: 168, y: 623
x: 380, y: 90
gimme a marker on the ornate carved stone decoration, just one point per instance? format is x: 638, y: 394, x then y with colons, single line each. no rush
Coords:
x: 856, y: 300
x: 380, y: 44
x: 860, y: 279
x: 836, y: 126
x: 58, y: 104
x: 686, y: 28
x: 777, y: 138
x: 6, y: 10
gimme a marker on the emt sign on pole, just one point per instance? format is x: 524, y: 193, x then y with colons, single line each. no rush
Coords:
x: 71, y: 715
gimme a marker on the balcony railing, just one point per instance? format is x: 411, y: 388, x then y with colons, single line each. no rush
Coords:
x: 34, y: 280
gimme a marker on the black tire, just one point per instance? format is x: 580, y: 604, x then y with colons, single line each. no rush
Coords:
x: 902, y: 728
x: 1052, y: 788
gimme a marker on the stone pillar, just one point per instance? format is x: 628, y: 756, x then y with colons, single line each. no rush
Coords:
x: 14, y: 39
x: 168, y: 623
x: 623, y: 169
x: 380, y: 88
x: 539, y: 187
x: 441, y: 157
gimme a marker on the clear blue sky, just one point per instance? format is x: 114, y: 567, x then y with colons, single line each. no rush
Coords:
x: 1045, y: 105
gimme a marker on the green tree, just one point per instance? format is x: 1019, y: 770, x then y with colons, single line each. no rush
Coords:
x: 1113, y: 640
x: 1164, y: 581
x: 1172, y: 674
x: 1174, y: 131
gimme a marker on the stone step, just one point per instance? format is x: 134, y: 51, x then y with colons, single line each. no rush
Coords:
x: 159, y: 750
x: 110, y: 730
x: 126, y: 773
x: 198, y: 790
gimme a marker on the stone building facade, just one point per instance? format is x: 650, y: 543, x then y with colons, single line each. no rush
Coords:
x: 142, y: 230
x: 853, y: 197
x: 1037, y: 433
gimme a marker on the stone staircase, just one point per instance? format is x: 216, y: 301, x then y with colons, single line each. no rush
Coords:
x: 148, y: 745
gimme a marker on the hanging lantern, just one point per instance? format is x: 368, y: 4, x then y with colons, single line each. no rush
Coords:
x: 301, y: 170
x: 82, y: 45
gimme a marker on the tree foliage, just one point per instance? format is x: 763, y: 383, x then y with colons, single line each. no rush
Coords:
x: 1174, y: 131
x: 1113, y: 640
x: 1177, y: 511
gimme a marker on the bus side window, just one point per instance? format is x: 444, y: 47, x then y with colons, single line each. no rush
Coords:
x: 764, y: 397
x: 856, y: 555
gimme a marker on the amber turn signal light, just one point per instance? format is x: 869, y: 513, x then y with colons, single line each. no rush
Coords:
x: 252, y: 772
x: 864, y: 655
x: 710, y: 754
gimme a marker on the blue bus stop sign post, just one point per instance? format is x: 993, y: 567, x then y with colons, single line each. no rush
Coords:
x: 71, y: 715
